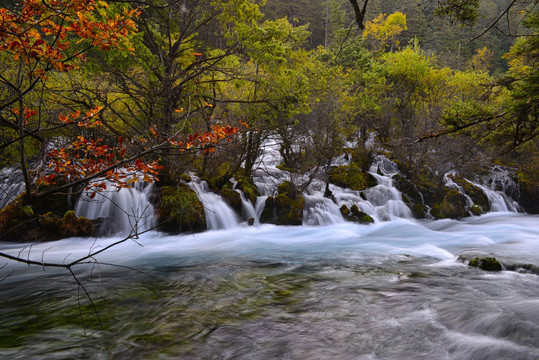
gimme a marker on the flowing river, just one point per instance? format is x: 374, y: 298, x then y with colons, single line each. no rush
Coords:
x: 390, y: 290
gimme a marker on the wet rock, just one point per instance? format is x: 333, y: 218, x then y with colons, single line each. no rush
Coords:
x: 286, y: 208
x: 248, y: 187
x: 232, y: 198
x: 355, y: 215
x: 453, y: 205
x: 484, y: 263
x: 268, y: 214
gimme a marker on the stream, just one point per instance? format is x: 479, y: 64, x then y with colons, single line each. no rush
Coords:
x: 389, y: 290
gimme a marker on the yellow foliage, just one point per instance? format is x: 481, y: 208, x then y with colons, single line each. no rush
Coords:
x: 383, y: 30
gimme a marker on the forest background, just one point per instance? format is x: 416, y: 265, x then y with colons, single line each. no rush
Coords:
x: 98, y: 95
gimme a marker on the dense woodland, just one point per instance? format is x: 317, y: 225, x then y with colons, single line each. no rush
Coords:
x: 97, y: 95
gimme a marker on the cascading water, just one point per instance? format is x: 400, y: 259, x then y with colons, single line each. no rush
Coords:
x: 248, y: 210
x: 128, y: 210
x: 218, y: 214
x: 382, y: 202
x: 448, y: 181
x: 496, y: 186
x: 11, y: 185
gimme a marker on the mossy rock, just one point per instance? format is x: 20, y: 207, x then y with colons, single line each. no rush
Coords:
x: 453, y: 205
x: 232, y: 198
x: 289, y: 211
x: 71, y: 225
x: 477, y: 210
x: 20, y: 223
x: 287, y: 188
x: 355, y: 215
x: 408, y: 188
x: 186, y: 178
x: 248, y: 187
x: 362, y: 218
x: 345, y: 211
x: 268, y: 214
x: 475, y: 193
x: 180, y: 210
x: 486, y: 263
x: 419, y: 211
x: 352, y: 177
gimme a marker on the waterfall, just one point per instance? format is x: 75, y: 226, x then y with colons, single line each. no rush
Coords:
x: 448, y: 181
x: 128, y: 210
x: 495, y: 186
x: 382, y: 202
x: 218, y: 214
x: 11, y: 185
x: 498, y: 186
x: 248, y: 210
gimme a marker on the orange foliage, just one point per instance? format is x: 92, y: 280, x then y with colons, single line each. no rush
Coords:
x: 49, y: 35
x: 85, y: 157
x: 42, y: 33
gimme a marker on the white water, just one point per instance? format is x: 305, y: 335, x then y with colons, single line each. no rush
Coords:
x: 382, y: 202
x: 218, y: 214
x: 495, y: 186
x: 11, y: 185
x: 392, y: 290
x: 129, y: 209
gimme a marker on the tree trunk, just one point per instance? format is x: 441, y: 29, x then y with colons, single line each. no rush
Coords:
x: 22, y: 154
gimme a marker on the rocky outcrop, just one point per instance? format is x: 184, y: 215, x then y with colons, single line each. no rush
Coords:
x: 286, y: 208
x: 180, y: 210
x: 352, y: 177
x: 20, y: 223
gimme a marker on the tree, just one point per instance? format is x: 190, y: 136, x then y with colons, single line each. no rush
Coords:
x: 39, y: 38
x: 383, y: 30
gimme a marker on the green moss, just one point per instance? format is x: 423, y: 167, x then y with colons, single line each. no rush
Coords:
x: 453, y: 205
x: 248, y: 187
x: 232, y: 198
x: 476, y: 210
x: 355, y: 215
x: 418, y: 211
x: 180, y: 210
x: 19, y: 222
x: 289, y: 211
x: 268, y: 214
x: 186, y: 178
x: 73, y: 226
x: 352, y: 177
x: 486, y: 263
x: 476, y: 194
x: 345, y: 211
x: 287, y: 188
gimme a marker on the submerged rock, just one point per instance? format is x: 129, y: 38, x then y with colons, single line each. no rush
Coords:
x: 484, y: 263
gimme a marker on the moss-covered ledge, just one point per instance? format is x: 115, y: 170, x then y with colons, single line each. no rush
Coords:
x: 20, y: 223
x: 179, y: 210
